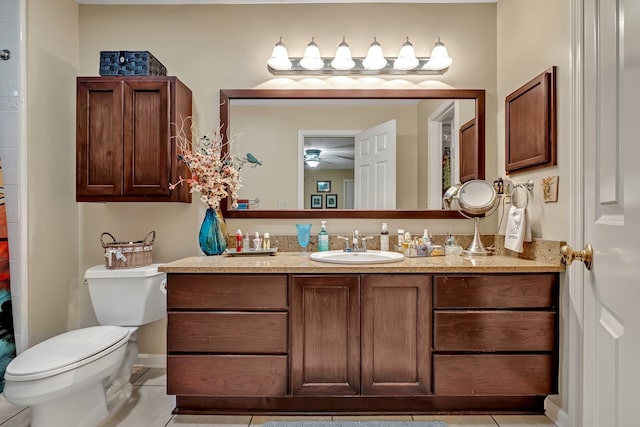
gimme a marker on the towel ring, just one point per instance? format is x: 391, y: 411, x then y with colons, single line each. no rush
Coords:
x: 513, y: 194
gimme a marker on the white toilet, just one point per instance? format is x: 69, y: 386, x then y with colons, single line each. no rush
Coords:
x: 81, y: 377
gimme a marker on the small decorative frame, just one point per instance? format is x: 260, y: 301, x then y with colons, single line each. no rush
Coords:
x: 550, y: 189
x: 316, y: 201
x: 323, y: 186
x: 331, y: 201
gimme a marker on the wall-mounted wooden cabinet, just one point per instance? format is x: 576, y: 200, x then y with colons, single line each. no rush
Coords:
x: 124, y: 146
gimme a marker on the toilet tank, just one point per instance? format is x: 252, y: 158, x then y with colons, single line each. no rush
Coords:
x: 127, y: 297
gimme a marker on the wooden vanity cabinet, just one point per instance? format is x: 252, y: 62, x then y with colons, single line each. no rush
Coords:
x: 325, y: 335
x: 362, y: 343
x: 360, y: 335
x: 227, y: 335
x: 495, y: 334
x: 125, y: 150
x: 396, y: 334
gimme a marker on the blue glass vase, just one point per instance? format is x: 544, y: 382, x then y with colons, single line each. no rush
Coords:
x: 213, y: 233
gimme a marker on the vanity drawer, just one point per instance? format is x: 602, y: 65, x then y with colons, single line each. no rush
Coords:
x: 495, y: 291
x: 243, y: 376
x: 227, y: 332
x: 227, y: 292
x: 494, y: 331
x: 493, y: 375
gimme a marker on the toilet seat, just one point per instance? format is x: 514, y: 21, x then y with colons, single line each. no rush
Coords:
x: 65, y: 352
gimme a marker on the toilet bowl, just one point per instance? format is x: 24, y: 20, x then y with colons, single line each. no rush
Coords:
x: 81, y: 377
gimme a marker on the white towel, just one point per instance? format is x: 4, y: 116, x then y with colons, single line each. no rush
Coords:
x: 516, y: 228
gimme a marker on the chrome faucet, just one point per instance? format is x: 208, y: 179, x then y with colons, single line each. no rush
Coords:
x: 346, y: 248
x: 359, y: 243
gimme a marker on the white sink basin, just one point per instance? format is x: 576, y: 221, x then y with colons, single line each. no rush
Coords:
x: 369, y: 257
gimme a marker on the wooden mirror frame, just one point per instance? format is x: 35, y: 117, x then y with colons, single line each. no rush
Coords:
x: 227, y: 95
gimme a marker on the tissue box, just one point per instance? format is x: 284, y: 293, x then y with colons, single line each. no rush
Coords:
x: 130, y: 63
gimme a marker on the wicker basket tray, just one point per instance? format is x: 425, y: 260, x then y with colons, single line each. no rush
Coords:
x: 127, y: 254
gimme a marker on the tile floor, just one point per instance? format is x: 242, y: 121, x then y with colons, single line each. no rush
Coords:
x: 151, y: 407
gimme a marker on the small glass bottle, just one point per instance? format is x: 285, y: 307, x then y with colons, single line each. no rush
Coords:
x: 400, y: 239
x: 266, y: 241
x: 239, y: 242
x: 384, y: 238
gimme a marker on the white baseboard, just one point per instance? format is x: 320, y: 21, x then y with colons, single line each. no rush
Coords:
x: 151, y: 361
x: 555, y: 413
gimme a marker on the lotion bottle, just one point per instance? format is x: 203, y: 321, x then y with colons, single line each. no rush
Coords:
x: 323, y: 238
x: 384, y: 238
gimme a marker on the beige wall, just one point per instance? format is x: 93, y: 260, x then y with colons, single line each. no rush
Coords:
x: 52, y: 217
x: 526, y: 48
x: 214, y: 47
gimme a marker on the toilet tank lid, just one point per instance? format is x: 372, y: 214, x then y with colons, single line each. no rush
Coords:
x: 60, y: 353
x: 102, y: 272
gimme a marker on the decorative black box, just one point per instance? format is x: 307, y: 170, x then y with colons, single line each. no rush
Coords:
x: 130, y: 63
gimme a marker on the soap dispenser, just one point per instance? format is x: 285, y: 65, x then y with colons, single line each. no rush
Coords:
x: 384, y: 238
x: 323, y: 238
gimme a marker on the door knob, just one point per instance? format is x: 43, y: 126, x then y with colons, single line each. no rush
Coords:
x: 5, y: 54
x: 585, y: 255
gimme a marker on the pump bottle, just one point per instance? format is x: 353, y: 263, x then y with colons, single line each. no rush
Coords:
x: 323, y: 238
x: 384, y: 238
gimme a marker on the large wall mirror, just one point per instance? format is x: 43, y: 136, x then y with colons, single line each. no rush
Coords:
x: 372, y: 153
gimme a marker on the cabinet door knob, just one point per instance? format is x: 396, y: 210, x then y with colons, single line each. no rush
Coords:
x: 585, y: 255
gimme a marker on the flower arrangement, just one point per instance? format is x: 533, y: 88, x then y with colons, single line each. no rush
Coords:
x: 215, y: 172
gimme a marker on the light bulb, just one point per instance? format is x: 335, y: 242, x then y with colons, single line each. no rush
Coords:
x: 311, y: 59
x: 375, y: 59
x: 439, y: 59
x: 343, y: 60
x: 279, y: 57
x: 406, y: 57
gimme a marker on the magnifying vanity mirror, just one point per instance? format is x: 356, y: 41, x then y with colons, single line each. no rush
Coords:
x: 373, y: 153
x: 475, y: 197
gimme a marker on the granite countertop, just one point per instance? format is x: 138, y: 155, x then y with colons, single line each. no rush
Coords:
x: 292, y: 262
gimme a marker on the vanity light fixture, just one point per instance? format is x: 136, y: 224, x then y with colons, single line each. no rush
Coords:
x: 311, y: 59
x: 279, y: 57
x: 439, y: 59
x: 312, y: 63
x: 312, y: 157
x: 375, y: 59
x: 406, y: 57
x: 343, y: 60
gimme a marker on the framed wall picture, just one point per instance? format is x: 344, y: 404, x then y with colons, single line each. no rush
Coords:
x: 530, y: 121
x: 331, y: 201
x: 316, y: 201
x: 323, y: 186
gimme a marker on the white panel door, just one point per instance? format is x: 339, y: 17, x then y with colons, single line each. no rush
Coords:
x: 611, y: 94
x: 375, y: 167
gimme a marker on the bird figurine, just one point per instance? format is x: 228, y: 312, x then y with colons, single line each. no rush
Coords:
x: 253, y: 160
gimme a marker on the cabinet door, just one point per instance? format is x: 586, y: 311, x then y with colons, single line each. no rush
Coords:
x: 147, y: 142
x: 99, y: 138
x: 396, y: 334
x: 325, y: 335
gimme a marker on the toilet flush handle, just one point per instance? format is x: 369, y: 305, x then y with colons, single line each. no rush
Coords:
x: 163, y: 286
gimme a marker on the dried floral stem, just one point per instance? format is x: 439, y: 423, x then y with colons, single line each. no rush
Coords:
x: 215, y: 172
